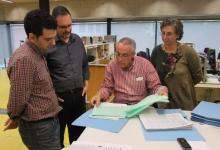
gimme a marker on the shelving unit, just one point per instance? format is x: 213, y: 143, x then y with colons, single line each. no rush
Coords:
x: 100, y: 51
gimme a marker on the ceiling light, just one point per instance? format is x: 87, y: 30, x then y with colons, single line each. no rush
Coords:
x: 7, y: 1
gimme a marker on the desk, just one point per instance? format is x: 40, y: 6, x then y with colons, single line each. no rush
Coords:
x: 208, y: 85
x: 208, y: 91
x: 97, y: 72
x: 132, y: 134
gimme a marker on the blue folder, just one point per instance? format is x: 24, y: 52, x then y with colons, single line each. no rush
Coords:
x: 104, y: 124
x: 206, y: 121
x: 172, y: 135
x: 207, y: 110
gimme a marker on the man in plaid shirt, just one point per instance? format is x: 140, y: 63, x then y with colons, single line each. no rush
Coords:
x: 33, y: 104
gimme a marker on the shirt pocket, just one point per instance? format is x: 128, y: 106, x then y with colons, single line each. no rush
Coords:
x: 138, y: 85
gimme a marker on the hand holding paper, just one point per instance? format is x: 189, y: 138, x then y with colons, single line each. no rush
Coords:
x: 133, y: 110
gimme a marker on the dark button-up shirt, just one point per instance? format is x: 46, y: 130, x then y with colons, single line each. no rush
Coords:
x: 68, y: 64
x: 32, y: 96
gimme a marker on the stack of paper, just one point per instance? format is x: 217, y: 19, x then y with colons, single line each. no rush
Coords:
x: 108, y: 111
x: 154, y: 121
x: 133, y: 110
x: 171, y: 135
x: 207, y: 112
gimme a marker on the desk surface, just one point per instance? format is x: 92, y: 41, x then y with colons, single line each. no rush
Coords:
x: 132, y: 134
x: 208, y: 85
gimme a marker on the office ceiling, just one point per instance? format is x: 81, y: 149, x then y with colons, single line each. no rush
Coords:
x: 29, y: 1
x: 24, y: 1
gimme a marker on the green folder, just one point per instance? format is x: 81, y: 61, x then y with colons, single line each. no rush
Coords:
x: 106, y: 110
x: 133, y: 110
x: 109, y: 110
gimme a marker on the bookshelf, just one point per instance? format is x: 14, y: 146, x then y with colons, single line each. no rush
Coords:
x: 100, y: 52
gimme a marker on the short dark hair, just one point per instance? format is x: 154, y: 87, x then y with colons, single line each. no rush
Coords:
x: 177, y: 24
x: 36, y: 20
x: 60, y: 11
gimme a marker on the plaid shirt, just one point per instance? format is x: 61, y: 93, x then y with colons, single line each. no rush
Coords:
x: 32, y: 96
x: 131, y: 86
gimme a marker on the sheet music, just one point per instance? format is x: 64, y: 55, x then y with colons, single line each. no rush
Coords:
x: 164, y: 122
x: 77, y: 145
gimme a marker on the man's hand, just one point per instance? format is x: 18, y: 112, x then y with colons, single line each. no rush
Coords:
x: 95, y: 100
x: 85, y: 88
x: 162, y: 90
x: 11, y: 124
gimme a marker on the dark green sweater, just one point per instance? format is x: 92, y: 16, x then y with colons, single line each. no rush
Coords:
x: 181, y: 79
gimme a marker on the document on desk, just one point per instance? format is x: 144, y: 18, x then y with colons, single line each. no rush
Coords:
x: 133, y: 110
x: 124, y: 111
x: 207, y: 110
x: 77, y: 145
x: 171, y: 135
x: 199, y: 145
x: 109, y: 111
x: 111, y: 125
x: 164, y: 122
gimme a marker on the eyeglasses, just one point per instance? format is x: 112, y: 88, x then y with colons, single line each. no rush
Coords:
x: 122, y: 55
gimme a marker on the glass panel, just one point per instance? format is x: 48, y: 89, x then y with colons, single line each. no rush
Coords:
x: 143, y: 32
x: 4, y: 46
x: 90, y: 28
x: 18, y: 35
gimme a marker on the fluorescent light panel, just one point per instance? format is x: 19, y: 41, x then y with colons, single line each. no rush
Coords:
x: 7, y: 1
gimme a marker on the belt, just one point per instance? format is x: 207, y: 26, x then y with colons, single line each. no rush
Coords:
x: 41, y: 120
x: 72, y: 90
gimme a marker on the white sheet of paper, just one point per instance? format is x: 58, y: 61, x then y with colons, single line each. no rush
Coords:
x: 76, y: 145
x: 153, y: 121
x: 199, y: 145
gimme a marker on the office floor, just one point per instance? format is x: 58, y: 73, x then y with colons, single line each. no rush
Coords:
x: 10, y: 140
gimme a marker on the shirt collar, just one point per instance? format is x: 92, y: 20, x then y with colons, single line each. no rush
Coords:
x: 34, y: 47
x: 132, y: 65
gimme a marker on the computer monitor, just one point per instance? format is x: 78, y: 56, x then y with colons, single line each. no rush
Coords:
x: 211, y: 59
